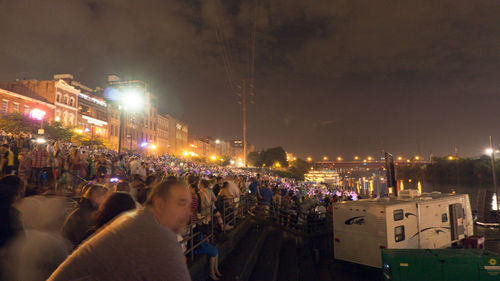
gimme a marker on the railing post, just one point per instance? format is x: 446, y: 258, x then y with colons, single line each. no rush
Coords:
x: 212, y: 222
x: 191, y: 238
x: 223, y: 216
x: 235, y: 211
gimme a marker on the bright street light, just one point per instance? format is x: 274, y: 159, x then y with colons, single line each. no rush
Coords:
x: 213, y: 157
x: 489, y: 151
x: 339, y: 158
x: 132, y: 99
x: 217, y: 141
x: 400, y: 158
x: 309, y: 159
x: 356, y: 157
x: 417, y: 157
x: 370, y: 158
x: 325, y: 158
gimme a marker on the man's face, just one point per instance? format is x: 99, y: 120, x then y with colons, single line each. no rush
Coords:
x: 174, y: 212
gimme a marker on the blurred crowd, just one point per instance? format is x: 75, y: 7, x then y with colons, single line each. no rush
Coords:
x: 71, y: 212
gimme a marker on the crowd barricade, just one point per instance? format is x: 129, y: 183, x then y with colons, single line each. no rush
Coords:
x: 309, y: 223
x: 231, y: 214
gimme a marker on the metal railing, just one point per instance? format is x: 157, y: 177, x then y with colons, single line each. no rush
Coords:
x: 307, y: 222
x: 230, y: 214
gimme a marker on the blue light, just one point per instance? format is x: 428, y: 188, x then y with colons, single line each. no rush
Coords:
x: 144, y: 144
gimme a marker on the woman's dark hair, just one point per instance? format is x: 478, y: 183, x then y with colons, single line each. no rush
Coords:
x: 225, y: 184
x: 171, y: 178
x: 10, y: 188
x: 205, y: 183
x: 115, y: 204
x: 150, y: 180
x: 123, y: 186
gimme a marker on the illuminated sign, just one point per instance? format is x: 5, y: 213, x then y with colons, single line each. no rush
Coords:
x: 94, y: 121
x: 92, y: 99
x: 37, y: 114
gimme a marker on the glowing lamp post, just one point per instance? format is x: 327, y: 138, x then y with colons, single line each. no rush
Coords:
x: 491, y: 151
x: 131, y: 100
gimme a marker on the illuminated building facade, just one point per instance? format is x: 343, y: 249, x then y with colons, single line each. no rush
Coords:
x: 33, y: 106
x: 177, y: 135
x: 92, y: 108
x: 139, y: 125
x: 162, y: 134
x: 57, y: 92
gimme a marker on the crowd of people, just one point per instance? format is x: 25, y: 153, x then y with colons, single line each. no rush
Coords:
x: 72, y: 212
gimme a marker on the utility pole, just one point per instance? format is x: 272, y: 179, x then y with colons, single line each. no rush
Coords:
x: 244, y: 105
x: 493, y: 169
x: 121, y: 131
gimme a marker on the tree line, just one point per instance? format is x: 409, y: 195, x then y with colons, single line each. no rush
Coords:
x: 17, y: 123
x: 275, y: 160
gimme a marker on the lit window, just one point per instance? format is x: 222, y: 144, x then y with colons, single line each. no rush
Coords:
x: 71, y: 119
x: 71, y: 101
x: 26, y: 110
x: 5, y: 106
x: 399, y: 233
x: 58, y: 98
x: 16, y: 107
x: 398, y: 215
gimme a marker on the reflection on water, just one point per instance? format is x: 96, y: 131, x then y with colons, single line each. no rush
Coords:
x: 470, y: 189
x: 376, y: 185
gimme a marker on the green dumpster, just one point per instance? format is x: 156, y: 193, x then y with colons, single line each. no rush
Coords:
x: 440, y: 265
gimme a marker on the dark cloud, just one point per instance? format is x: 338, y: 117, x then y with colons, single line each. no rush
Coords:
x: 332, y: 77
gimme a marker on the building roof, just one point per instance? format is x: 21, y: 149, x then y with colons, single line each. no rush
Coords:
x: 22, y: 90
x: 387, y: 201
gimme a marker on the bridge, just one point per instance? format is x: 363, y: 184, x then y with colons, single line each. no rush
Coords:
x: 354, y: 165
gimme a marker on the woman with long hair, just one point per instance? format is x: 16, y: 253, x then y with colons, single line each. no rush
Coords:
x: 114, y: 205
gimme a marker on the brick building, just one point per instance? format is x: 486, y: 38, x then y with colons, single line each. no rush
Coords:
x: 56, y: 92
x: 33, y: 105
x: 177, y: 135
x: 140, y: 125
x: 162, y: 144
x: 92, y: 108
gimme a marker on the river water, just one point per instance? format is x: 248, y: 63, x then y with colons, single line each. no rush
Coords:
x: 377, y: 185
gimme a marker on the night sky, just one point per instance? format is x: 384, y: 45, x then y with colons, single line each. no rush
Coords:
x: 331, y: 77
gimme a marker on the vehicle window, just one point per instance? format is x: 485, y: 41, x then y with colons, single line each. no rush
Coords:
x: 398, y: 215
x: 444, y: 217
x: 399, y: 233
